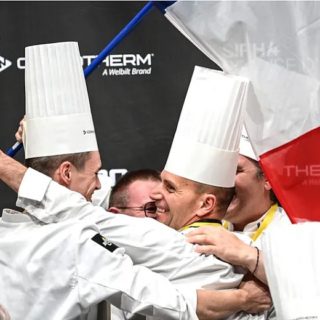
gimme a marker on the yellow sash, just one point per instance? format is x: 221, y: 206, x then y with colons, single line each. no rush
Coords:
x: 265, y: 222
x: 197, y: 224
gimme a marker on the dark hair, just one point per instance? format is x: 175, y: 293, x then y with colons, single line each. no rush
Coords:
x: 224, y: 197
x: 47, y: 165
x: 119, y: 193
x: 222, y: 194
x: 260, y: 175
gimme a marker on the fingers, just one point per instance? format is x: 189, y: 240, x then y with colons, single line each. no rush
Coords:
x: 204, y: 230
x: 4, y: 314
x: 199, y: 239
x: 203, y: 235
x: 204, y: 239
x: 260, y: 308
x: 206, y: 249
x: 258, y: 296
x: 264, y: 304
x: 19, y: 133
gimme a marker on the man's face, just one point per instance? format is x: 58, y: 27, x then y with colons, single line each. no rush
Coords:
x: 86, y: 180
x: 138, y: 195
x: 250, y: 194
x: 176, y: 200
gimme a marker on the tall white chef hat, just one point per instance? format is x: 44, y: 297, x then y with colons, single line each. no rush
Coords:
x: 245, y: 146
x: 58, y: 116
x: 206, y: 143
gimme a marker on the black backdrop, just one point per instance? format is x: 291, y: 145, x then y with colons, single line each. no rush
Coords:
x: 135, y: 115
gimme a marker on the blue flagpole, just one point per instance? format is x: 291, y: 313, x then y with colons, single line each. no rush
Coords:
x: 118, y: 38
x: 14, y: 149
x: 102, y: 55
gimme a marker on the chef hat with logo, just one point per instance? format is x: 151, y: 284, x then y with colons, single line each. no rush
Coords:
x: 206, y: 143
x: 58, y: 117
x: 245, y: 146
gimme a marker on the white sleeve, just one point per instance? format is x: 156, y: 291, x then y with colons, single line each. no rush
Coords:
x: 102, y: 273
x: 47, y: 200
x: 105, y: 272
x: 146, y: 241
x: 34, y: 185
x: 165, y: 251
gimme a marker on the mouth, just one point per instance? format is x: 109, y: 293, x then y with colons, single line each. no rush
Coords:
x: 161, y: 210
x: 163, y: 214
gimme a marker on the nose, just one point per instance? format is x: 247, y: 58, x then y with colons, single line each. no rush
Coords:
x: 98, y: 183
x: 156, y: 193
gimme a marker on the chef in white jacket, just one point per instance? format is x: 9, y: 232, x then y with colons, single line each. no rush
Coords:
x: 141, y: 238
x: 58, y: 271
x: 254, y: 209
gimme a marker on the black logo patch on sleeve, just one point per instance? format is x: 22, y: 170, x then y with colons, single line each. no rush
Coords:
x: 98, y: 238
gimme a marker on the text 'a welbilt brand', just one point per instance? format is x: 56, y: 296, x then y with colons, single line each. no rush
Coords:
x: 129, y: 64
x: 124, y: 64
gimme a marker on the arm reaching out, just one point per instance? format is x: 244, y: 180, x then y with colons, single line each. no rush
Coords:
x: 228, y: 247
x: 11, y: 171
x: 19, y: 133
x: 251, y: 297
x: 258, y: 295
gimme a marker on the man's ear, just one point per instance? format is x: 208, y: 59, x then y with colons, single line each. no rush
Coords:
x: 63, y: 173
x: 114, y: 210
x: 207, y: 204
x: 267, y: 185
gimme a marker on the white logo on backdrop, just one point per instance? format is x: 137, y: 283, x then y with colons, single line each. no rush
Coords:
x: 4, y: 63
x: 129, y: 64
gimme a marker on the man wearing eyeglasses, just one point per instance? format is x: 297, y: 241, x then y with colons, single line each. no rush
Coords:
x: 61, y: 270
x: 131, y: 194
x: 172, y: 257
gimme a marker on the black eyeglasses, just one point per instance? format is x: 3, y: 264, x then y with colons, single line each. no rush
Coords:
x: 148, y: 208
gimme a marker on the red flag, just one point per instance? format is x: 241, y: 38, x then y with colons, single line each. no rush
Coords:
x: 277, y: 46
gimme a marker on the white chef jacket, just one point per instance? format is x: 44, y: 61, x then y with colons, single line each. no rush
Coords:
x: 146, y: 241
x: 292, y: 264
x: 58, y: 270
x: 256, y: 228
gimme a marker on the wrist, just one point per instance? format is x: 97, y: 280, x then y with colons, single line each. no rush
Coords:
x: 257, y: 262
x: 243, y: 297
x: 250, y: 259
x: 11, y: 171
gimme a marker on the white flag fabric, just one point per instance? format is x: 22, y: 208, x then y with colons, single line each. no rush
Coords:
x: 292, y: 264
x: 276, y: 44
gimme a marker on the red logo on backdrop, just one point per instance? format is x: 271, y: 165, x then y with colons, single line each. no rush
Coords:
x: 294, y: 173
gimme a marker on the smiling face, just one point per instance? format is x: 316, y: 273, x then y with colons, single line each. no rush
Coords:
x: 85, y: 180
x: 138, y: 194
x: 252, y: 197
x: 177, y: 200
